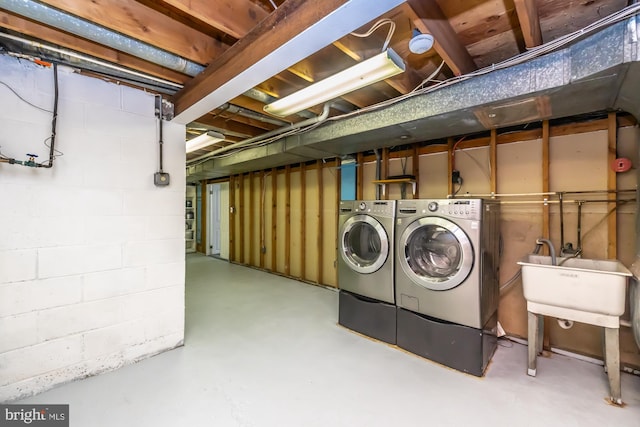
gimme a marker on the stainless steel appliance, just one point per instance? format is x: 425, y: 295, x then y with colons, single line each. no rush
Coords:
x: 447, y: 260
x: 365, y: 268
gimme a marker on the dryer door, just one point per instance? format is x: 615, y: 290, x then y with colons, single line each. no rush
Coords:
x: 364, y: 244
x: 437, y: 253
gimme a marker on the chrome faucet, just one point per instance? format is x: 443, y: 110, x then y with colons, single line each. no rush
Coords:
x: 552, y: 250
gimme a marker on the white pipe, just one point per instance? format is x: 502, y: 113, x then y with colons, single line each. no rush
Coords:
x: 259, y: 138
x: 89, y: 59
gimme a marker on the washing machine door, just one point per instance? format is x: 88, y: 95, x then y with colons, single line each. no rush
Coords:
x: 364, y: 244
x: 435, y: 253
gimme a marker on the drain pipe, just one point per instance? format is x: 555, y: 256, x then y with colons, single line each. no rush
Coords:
x: 80, y: 27
x: 318, y: 119
x: 378, y: 172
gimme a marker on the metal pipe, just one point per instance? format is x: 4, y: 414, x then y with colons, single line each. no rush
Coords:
x: 580, y: 203
x: 378, y: 171
x: 234, y: 109
x: 549, y: 193
x: 89, y: 59
x: 273, y: 133
x: 560, y: 198
x: 80, y: 27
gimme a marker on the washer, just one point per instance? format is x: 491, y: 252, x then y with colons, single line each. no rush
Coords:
x: 365, y: 267
x: 447, y: 260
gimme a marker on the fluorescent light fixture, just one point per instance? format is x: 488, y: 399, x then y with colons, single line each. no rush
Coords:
x: 379, y: 67
x: 204, y: 140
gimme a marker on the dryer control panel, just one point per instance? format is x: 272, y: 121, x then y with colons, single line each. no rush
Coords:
x: 384, y: 207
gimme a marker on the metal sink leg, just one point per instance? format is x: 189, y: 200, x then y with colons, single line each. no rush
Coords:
x: 612, y: 363
x: 534, y: 337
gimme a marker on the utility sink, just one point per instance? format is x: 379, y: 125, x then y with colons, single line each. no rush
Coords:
x: 583, y: 290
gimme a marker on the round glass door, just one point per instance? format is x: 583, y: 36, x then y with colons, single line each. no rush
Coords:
x: 364, y: 245
x: 437, y: 253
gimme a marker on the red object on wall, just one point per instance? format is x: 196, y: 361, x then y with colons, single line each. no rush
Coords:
x: 621, y: 165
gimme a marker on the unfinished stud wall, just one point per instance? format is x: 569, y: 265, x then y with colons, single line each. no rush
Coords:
x: 286, y: 221
x: 91, y: 252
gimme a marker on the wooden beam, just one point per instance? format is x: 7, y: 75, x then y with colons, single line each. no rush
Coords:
x: 143, y: 23
x: 274, y: 218
x: 233, y: 126
x: 337, y: 201
x: 529, y: 22
x: 360, y: 176
x: 320, y: 225
x: 251, y: 216
x: 427, y: 17
x: 303, y: 220
x: 96, y: 50
x: 612, y: 222
x: 232, y: 218
x: 262, y: 213
x: 234, y: 17
x: 300, y: 24
x: 287, y: 221
x: 493, y: 160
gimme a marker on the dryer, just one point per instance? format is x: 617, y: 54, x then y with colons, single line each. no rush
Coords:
x: 365, y: 267
x: 447, y: 260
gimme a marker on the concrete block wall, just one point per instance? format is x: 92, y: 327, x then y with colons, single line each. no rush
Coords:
x: 91, y: 252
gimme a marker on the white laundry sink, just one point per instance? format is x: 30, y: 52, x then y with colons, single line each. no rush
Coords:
x: 577, y: 289
x: 583, y: 290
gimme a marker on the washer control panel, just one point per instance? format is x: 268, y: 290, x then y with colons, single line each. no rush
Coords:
x: 374, y: 207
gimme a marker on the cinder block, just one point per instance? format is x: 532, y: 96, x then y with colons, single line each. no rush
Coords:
x: 60, y: 261
x: 151, y: 252
x: 18, y: 331
x: 164, y: 323
x: 114, y: 229
x: 27, y: 362
x: 156, y: 202
x: 113, y: 283
x: 149, y: 303
x: 59, y: 231
x: 165, y: 227
x: 163, y: 275
x: 137, y: 102
x: 116, y: 338
x: 150, y: 348
x: 96, y: 94
x: 16, y: 266
x: 77, y: 318
x: 23, y: 297
x: 96, y: 202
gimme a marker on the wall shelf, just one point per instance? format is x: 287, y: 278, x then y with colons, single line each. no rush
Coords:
x: 190, y: 220
x: 397, y: 180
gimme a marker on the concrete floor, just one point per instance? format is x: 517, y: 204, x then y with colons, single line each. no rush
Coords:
x: 262, y: 350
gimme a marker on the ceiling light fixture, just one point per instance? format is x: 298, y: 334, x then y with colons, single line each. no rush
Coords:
x: 204, y: 140
x: 382, y: 66
x: 420, y: 43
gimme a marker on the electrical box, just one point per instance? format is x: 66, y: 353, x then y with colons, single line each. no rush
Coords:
x: 161, y: 179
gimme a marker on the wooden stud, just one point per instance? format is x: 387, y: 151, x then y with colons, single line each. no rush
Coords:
x: 338, y: 198
x: 252, y: 213
x: 529, y: 22
x: 232, y: 218
x: 262, y: 213
x: 384, y: 172
x: 303, y: 220
x: 274, y: 218
x: 546, y: 217
x: 320, y: 225
x: 612, y: 222
x: 287, y: 221
x: 203, y: 218
x: 241, y: 217
x: 450, y: 165
x: 493, y: 160
x: 360, y: 176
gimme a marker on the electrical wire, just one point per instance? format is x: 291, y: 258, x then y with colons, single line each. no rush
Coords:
x: 24, y: 100
x: 378, y: 24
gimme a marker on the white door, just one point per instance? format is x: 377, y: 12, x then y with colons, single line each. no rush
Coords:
x: 218, y: 220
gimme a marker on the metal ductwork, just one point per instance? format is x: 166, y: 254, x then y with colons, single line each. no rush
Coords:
x: 53, y: 17
x: 600, y: 72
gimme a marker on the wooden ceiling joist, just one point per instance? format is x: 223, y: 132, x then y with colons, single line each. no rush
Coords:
x: 427, y: 16
x: 65, y: 40
x: 303, y: 28
x: 529, y: 22
x: 145, y: 24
